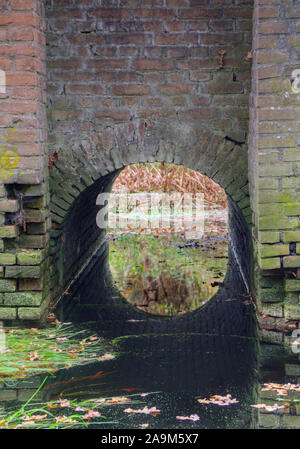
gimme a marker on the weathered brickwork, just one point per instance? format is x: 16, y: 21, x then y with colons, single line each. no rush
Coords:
x: 25, y: 217
x: 127, y: 81
x: 143, y: 81
x: 275, y: 156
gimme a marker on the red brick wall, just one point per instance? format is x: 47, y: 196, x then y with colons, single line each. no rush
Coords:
x: 22, y: 56
x: 23, y: 130
x: 141, y: 59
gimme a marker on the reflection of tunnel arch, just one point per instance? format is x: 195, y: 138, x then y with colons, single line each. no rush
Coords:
x: 76, y: 236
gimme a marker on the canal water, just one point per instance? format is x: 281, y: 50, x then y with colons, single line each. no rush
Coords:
x: 161, y: 271
x: 105, y: 362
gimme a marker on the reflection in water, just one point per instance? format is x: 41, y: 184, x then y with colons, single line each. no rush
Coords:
x: 167, y: 276
x: 162, y: 272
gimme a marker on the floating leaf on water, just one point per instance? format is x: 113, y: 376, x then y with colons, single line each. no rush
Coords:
x: 106, y: 357
x: 63, y: 402
x: 35, y: 417
x: 190, y: 418
x: 64, y: 419
x: 52, y: 405
x: 147, y: 411
x: 93, y: 338
x: 281, y: 389
x: 219, y: 400
x: 91, y: 414
x: 269, y: 408
x: 117, y: 400
x: 79, y: 409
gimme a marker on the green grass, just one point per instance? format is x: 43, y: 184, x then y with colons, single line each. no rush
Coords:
x: 64, y: 413
x: 34, y: 351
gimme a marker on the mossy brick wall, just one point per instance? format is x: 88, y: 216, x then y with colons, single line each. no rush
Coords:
x: 275, y: 157
x: 137, y: 81
x: 24, y: 212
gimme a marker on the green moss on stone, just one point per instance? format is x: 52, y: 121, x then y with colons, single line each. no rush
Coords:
x: 7, y: 259
x: 8, y: 313
x: 270, y: 264
x: 7, y: 285
x: 23, y: 299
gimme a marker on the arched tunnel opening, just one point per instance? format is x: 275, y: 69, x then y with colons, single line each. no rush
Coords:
x: 168, y: 237
x: 209, y: 350
x: 90, y: 292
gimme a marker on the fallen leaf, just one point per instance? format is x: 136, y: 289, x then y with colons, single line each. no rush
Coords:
x: 269, y: 408
x: 219, y: 400
x: 106, y: 357
x: 33, y: 356
x: 117, y: 400
x: 190, y: 418
x: 65, y: 419
x: 93, y: 338
x: 147, y: 411
x: 91, y: 414
x: 63, y: 402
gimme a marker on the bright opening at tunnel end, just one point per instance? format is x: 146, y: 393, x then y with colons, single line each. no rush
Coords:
x: 174, y: 211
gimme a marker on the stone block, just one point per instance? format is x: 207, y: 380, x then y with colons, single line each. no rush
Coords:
x: 266, y: 251
x: 292, y: 285
x: 275, y: 222
x: 291, y: 311
x: 291, y: 236
x: 8, y: 313
x: 7, y: 259
x: 27, y: 271
x: 270, y: 263
x: 269, y: 236
x: 291, y: 261
x: 32, y: 313
x: 30, y: 257
x: 9, y: 205
x: 22, y: 299
x: 7, y: 285
x: 8, y: 232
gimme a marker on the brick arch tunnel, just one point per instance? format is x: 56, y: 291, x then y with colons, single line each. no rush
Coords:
x: 143, y: 81
x: 79, y: 246
x: 92, y: 86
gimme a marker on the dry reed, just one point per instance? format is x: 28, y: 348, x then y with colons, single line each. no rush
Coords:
x: 165, y: 177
